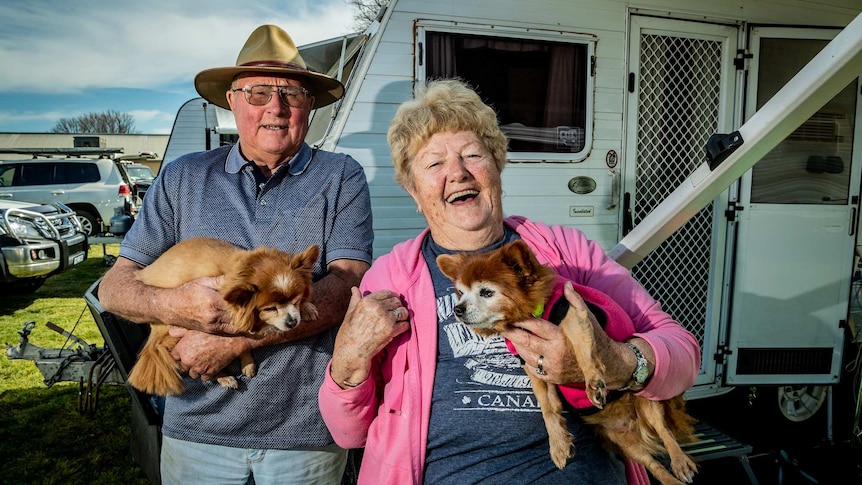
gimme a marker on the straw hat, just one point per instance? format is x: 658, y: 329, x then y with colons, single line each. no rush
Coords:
x: 268, y: 50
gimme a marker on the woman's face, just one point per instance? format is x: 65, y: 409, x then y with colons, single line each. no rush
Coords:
x: 457, y: 186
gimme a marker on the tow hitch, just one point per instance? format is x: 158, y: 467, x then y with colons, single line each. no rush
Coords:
x: 82, y: 362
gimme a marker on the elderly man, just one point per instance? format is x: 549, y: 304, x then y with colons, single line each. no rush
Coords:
x: 270, y: 189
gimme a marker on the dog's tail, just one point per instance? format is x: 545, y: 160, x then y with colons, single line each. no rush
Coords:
x: 156, y: 371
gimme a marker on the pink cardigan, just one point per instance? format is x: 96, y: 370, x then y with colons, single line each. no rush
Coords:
x: 388, y: 414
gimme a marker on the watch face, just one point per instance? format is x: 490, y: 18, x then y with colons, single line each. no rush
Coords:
x: 640, y: 375
x: 641, y: 371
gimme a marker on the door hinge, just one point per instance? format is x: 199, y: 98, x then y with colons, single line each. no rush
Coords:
x: 732, y: 209
x: 739, y: 60
x: 721, y: 354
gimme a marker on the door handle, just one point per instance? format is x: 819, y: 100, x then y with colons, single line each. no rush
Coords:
x: 628, y: 224
x: 5, y: 195
x: 854, y: 221
x: 615, y: 188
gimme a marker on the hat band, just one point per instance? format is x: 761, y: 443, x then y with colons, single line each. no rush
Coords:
x: 289, y: 65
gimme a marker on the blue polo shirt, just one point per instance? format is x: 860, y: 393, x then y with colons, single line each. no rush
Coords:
x: 318, y: 198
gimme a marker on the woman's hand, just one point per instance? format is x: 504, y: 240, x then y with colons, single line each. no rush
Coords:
x: 370, y: 324
x: 536, y: 338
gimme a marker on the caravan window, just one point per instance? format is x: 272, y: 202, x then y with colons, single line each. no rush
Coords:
x: 539, y: 88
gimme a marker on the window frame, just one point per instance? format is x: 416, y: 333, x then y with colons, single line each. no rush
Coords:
x: 515, y: 33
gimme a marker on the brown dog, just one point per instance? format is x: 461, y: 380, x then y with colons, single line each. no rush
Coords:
x: 265, y: 289
x: 504, y: 286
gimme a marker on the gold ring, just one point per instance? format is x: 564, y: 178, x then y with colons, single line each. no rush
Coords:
x: 539, y: 369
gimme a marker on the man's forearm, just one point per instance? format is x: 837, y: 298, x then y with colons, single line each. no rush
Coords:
x: 331, y: 294
x: 196, y: 305
x: 122, y: 294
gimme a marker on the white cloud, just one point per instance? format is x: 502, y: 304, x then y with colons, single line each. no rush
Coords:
x: 12, y: 118
x: 65, y: 47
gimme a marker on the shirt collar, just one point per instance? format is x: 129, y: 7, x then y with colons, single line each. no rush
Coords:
x: 235, y: 162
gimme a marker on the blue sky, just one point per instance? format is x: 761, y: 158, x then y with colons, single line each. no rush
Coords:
x: 62, y: 59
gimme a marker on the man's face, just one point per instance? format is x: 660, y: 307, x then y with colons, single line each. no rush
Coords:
x: 273, y: 132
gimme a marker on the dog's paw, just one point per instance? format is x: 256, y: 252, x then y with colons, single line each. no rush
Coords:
x: 228, y: 382
x: 597, y: 393
x: 562, y: 450
x: 684, y: 468
x: 249, y: 369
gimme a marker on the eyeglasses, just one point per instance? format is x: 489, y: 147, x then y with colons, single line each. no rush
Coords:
x: 260, y: 94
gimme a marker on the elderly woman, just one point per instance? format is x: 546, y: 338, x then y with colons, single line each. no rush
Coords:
x: 429, y: 400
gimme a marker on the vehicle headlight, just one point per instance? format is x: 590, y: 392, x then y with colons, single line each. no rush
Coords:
x: 23, y: 228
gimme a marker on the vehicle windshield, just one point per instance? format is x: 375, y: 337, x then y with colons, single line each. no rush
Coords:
x: 140, y: 173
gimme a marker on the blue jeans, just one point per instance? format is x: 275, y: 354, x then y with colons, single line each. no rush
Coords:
x: 184, y: 462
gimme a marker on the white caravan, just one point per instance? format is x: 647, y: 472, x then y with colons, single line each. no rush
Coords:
x: 609, y: 106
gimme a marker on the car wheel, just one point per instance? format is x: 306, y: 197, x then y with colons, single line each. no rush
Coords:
x: 88, y: 222
x: 799, y: 403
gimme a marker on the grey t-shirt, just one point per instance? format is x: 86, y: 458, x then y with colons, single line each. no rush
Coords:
x: 486, y: 425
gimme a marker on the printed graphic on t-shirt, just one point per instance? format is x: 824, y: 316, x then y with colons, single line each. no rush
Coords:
x: 487, y: 375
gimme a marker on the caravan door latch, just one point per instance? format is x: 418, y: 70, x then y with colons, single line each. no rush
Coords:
x: 721, y: 354
x: 732, y: 209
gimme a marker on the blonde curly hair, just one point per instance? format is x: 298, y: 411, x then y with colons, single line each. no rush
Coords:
x: 444, y: 105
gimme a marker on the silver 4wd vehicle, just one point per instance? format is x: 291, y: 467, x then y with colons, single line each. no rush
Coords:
x: 141, y: 177
x: 37, y: 241
x: 97, y: 189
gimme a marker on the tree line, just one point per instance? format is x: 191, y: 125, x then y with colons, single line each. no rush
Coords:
x: 110, y: 122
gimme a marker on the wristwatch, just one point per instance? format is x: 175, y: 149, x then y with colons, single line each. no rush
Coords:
x: 639, y: 376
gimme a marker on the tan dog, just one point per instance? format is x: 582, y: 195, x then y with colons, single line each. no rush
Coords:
x: 265, y: 289
x: 504, y: 286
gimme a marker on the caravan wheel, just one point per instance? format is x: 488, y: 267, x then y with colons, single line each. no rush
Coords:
x: 799, y: 403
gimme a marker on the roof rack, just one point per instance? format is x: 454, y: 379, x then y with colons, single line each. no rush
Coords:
x: 68, y: 152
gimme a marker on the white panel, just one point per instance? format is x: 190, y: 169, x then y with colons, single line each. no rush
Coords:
x: 791, y: 295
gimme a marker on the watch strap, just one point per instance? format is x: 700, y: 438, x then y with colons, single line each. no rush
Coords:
x: 639, y: 375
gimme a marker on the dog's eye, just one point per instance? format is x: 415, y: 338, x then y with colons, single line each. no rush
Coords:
x: 268, y: 309
x: 486, y: 293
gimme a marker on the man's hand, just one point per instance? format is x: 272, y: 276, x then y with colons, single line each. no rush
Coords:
x: 203, y: 355
x: 198, y: 305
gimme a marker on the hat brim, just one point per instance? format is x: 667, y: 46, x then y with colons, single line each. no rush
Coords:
x: 212, y: 84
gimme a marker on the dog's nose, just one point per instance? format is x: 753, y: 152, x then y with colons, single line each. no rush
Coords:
x: 291, y: 322
x: 459, y: 311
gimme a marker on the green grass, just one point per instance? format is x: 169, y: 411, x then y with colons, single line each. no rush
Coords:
x: 44, y: 439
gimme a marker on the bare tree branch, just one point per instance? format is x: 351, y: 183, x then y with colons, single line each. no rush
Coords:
x: 110, y: 122
x: 366, y: 12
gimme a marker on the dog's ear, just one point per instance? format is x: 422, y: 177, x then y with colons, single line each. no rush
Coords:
x: 239, y: 293
x: 308, y: 312
x: 518, y: 256
x: 307, y: 258
x: 245, y: 318
x: 449, y: 264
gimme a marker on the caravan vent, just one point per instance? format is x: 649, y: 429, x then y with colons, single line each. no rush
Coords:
x: 823, y: 127
x: 784, y: 361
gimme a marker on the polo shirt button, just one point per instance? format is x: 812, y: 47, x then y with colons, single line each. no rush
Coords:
x: 263, y: 202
